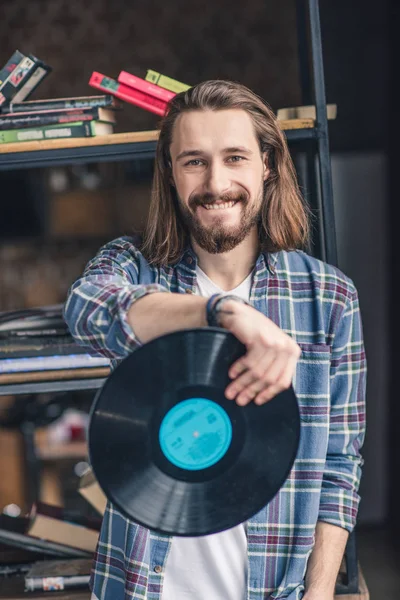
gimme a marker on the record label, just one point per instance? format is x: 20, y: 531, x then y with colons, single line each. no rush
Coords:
x: 195, y: 434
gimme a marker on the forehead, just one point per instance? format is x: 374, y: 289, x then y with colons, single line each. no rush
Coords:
x: 211, y: 130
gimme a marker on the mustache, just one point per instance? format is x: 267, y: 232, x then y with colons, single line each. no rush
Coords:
x: 201, y: 199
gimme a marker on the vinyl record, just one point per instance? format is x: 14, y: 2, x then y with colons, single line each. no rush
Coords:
x: 172, y: 453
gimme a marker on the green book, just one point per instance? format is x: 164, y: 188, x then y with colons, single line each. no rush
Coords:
x: 51, y: 132
x: 166, y: 82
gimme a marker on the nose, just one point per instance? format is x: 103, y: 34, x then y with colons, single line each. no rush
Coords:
x: 217, y: 179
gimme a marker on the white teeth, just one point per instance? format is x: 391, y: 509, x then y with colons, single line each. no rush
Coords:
x: 222, y: 205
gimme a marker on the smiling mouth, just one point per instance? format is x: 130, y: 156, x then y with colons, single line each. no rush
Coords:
x: 219, y: 205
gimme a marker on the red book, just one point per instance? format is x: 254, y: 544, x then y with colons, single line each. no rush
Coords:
x: 128, y: 94
x: 145, y: 86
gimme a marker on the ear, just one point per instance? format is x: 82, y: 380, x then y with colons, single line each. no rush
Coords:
x: 266, y: 169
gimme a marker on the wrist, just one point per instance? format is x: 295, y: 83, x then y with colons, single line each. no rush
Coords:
x: 220, y: 306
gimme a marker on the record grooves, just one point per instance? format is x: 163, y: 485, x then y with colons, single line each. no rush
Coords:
x: 172, y: 453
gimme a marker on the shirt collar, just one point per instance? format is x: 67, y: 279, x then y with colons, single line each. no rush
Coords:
x: 189, y: 260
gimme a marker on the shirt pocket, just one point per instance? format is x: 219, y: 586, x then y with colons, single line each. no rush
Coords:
x: 312, y: 382
x: 312, y: 387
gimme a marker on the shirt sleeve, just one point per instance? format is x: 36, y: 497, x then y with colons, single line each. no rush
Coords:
x: 98, y: 303
x: 339, y: 495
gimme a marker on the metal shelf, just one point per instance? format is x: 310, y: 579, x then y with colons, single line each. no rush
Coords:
x: 57, y: 155
x: 42, y: 387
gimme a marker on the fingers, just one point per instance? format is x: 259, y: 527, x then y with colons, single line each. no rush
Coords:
x: 284, y: 381
x: 262, y: 381
x: 251, y: 380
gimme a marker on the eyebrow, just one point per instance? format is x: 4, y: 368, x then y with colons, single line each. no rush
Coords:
x: 232, y: 149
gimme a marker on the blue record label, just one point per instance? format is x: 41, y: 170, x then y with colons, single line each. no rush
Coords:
x: 195, y: 434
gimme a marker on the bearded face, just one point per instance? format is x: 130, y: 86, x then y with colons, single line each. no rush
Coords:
x: 219, y: 224
x: 218, y: 172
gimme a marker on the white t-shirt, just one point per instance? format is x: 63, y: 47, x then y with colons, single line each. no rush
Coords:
x: 212, y: 566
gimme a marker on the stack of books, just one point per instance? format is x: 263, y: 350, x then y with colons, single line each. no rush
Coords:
x: 152, y: 93
x: 22, y: 120
x: 35, y: 345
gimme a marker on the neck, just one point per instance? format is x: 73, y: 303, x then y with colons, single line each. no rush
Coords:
x: 229, y: 269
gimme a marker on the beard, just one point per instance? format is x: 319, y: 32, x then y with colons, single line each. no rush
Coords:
x: 218, y: 237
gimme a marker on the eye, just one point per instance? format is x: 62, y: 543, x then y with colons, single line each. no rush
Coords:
x: 236, y: 159
x: 195, y: 162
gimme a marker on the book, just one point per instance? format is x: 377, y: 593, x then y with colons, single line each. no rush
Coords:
x: 166, y: 82
x: 92, y: 492
x: 40, y: 71
x: 10, y: 65
x: 40, y: 346
x: 55, y: 362
x: 304, y: 112
x: 51, y: 132
x: 13, y: 535
x: 23, y: 79
x: 50, y: 575
x: 128, y: 94
x: 145, y: 86
x: 104, y: 101
x: 51, y: 523
x: 52, y: 117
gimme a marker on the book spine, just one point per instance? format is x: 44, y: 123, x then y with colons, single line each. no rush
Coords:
x: 145, y: 86
x: 51, y: 584
x: 106, y: 84
x: 40, y: 120
x: 29, y: 87
x: 72, y: 130
x: 16, y: 80
x: 166, y: 82
x: 51, y: 363
x: 106, y: 101
x: 11, y: 64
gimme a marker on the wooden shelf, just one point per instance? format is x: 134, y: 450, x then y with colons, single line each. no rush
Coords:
x: 133, y: 145
x: 119, y: 138
x: 100, y: 140
x: 78, y: 450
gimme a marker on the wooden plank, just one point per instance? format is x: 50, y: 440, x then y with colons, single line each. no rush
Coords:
x: 100, y: 140
x: 119, y: 138
x: 56, y: 375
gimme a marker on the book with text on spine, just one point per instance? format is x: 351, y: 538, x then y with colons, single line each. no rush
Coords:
x: 53, y: 117
x: 128, y: 94
x: 50, y: 575
x: 22, y: 80
x: 145, y: 86
x: 80, y: 129
x: 104, y: 101
x: 11, y: 65
x: 166, y: 82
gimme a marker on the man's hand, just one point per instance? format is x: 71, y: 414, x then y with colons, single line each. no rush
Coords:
x: 270, y: 362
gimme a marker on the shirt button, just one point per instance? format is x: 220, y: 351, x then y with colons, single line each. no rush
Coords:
x: 189, y: 260
x: 158, y: 568
x: 188, y: 291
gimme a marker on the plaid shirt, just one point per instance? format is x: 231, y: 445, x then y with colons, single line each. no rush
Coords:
x: 318, y: 307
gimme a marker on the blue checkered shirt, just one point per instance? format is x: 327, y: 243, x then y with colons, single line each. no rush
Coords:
x: 317, y: 306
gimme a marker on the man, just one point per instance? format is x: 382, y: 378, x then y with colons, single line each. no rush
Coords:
x: 226, y: 216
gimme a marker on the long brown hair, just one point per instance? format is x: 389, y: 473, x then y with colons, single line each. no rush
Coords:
x: 284, y: 220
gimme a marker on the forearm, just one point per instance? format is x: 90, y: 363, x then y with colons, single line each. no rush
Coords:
x: 324, y: 562
x: 161, y: 313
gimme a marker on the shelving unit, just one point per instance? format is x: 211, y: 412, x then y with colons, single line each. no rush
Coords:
x: 311, y: 135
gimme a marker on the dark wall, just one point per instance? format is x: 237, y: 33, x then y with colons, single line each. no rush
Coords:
x: 355, y: 47
x: 252, y: 42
